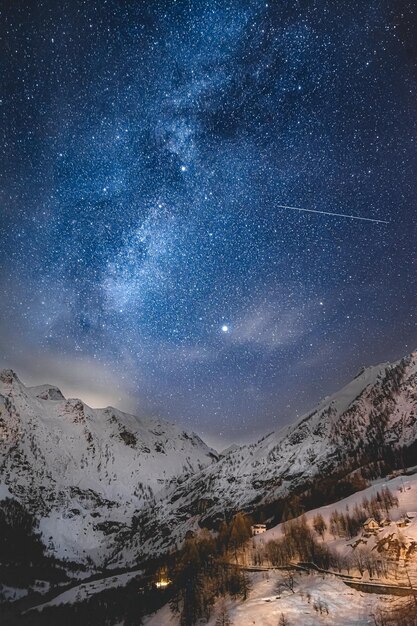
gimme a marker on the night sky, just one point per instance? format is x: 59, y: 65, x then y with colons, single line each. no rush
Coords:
x: 146, y: 146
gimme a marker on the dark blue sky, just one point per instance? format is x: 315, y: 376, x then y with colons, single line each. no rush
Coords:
x: 145, y: 261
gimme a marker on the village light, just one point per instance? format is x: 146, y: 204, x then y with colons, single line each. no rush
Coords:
x: 162, y: 579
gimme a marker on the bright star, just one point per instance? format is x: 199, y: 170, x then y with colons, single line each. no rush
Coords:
x: 225, y: 328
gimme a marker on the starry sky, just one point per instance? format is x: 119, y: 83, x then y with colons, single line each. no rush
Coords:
x: 146, y: 261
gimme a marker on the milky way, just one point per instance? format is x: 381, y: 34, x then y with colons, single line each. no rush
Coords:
x: 146, y: 147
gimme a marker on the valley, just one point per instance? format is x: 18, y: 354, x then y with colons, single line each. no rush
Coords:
x: 110, y: 505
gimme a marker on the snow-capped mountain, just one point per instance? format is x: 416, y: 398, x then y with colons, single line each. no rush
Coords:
x: 111, y: 487
x: 373, y: 416
x: 83, y: 471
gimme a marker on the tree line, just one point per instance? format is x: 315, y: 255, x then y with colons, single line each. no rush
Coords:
x: 206, y: 569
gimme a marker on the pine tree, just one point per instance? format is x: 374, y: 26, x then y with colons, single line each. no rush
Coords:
x: 189, y: 600
x: 240, y: 531
x: 223, y: 618
x: 319, y: 525
x: 223, y: 537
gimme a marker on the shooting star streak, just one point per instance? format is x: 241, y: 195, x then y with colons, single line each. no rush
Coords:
x: 351, y: 217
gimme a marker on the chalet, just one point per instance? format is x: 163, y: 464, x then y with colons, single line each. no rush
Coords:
x: 403, y: 522
x: 258, y: 529
x: 385, y: 522
x: 407, y: 518
x: 371, y: 525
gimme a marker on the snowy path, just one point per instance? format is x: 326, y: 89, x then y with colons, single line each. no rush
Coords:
x: 86, y: 589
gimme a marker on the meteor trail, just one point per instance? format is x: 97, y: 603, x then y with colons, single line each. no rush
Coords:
x: 351, y: 217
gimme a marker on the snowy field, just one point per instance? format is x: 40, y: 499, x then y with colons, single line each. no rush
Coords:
x: 346, y: 607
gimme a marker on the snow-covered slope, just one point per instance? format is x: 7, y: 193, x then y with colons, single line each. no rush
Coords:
x: 403, y: 488
x: 85, y: 590
x: 373, y: 414
x: 111, y: 486
x: 84, y: 471
x: 265, y: 606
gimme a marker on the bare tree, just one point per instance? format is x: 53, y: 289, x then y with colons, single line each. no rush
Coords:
x: 283, y: 621
x: 287, y: 582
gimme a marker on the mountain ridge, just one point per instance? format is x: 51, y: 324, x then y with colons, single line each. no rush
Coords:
x: 111, y: 488
x: 367, y: 422
x: 86, y: 470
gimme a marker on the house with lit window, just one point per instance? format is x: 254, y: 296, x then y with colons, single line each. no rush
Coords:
x: 258, y: 529
x: 371, y: 525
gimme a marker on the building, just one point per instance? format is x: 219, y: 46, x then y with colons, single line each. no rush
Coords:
x: 371, y: 525
x: 258, y: 529
x: 407, y: 518
x: 162, y: 579
x: 403, y: 522
x: 385, y: 521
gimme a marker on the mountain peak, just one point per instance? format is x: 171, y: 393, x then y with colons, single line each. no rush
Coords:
x: 88, y: 470
x: 46, y: 392
x: 8, y: 376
